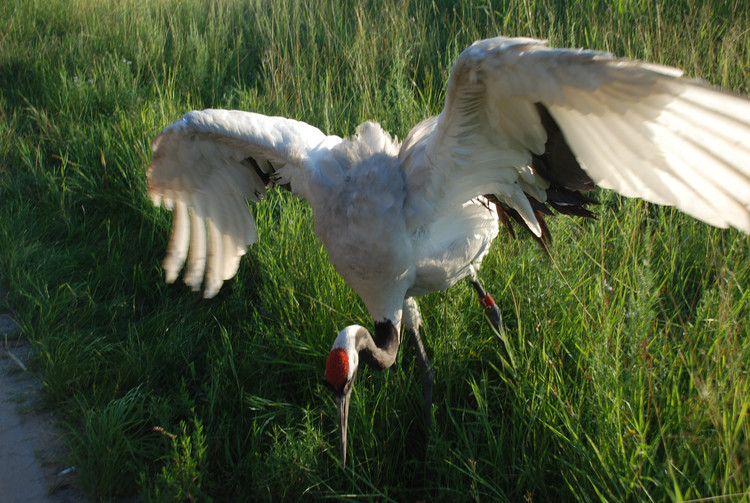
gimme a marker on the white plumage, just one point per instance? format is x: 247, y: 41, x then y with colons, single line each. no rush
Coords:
x: 636, y: 128
x: 403, y: 220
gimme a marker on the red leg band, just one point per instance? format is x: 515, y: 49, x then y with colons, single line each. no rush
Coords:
x: 487, y: 302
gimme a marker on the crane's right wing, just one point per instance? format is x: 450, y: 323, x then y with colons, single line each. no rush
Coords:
x: 205, y: 166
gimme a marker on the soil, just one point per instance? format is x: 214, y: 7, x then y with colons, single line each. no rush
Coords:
x: 30, y: 467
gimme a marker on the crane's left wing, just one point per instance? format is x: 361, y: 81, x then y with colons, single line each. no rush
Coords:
x: 521, y: 118
x: 205, y: 166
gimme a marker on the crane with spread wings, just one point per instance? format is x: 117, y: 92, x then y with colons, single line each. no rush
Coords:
x: 525, y: 128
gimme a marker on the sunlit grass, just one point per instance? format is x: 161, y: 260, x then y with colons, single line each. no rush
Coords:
x: 630, y: 342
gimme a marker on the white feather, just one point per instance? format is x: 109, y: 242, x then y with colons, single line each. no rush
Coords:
x: 198, y: 168
x: 629, y: 123
x: 178, y: 242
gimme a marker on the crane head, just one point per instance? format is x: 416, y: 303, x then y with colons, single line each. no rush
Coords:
x: 341, y: 368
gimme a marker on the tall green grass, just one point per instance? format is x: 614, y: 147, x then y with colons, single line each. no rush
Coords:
x: 631, y: 342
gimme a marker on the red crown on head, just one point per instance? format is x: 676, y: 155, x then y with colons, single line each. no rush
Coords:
x: 337, y: 368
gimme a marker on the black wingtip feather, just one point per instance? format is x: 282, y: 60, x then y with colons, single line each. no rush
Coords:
x: 559, y: 166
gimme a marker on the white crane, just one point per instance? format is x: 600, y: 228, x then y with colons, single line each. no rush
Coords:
x: 523, y: 125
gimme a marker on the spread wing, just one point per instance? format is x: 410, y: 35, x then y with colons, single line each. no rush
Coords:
x: 518, y: 115
x: 205, y: 166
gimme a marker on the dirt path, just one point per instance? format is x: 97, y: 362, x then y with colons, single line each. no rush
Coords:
x: 27, y: 436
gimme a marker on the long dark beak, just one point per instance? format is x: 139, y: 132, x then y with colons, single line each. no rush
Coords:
x: 342, y: 403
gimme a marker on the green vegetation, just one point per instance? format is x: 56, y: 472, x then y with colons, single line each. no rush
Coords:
x: 631, y: 342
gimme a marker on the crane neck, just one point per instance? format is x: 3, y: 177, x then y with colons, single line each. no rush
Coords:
x: 380, y: 352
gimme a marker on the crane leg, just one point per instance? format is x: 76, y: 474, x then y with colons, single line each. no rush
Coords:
x: 496, y: 318
x: 490, y: 308
x: 428, y: 376
x: 412, y: 324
